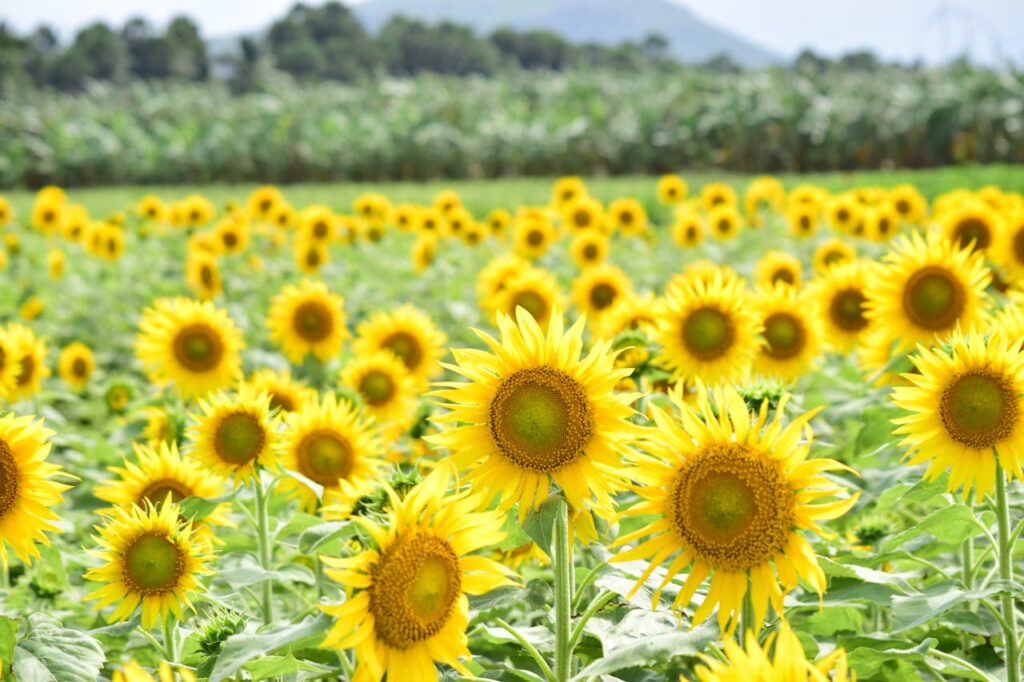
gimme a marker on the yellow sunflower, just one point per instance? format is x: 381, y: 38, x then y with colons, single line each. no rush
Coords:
x: 628, y: 216
x: 725, y: 221
x: 202, y: 274
x: 386, y: 387
x: 687, y: 229
x: 491, y: 278
x: 28, y: 353
x: 841, y: 299
x: 792, y: 332
x: 672, y: 189
x: 76, y: 364
x: 28, y: 491
x: 31, y: 309
x: 597, y: 289
x: 584, y: 213
x: 328, y: 443
x: 633, y: 311
x: 717, y: 195
x: 536, y: 410
x: 286, y: 394
x: 926, y: 287
x: 431, y: 221
x: 76, y: 221
x: 307, y: 319
x: 6, y: 212
x: 150, y: 557
x: 309, y: 256
x: 966, y: 410
x: 733, y: 495
x: 150, y: 207
x: 318, y: 225
x: 831, y: 253
x: 880, y: 223
x: 407, y: 217
x: 589, y: 248
x: 423, y: 251
x: 532, y: 237
x: 908, y: 203
x: 535, y: 290
x: 802, y: 220
x: 973, y: 225
x: 133, y: 672
x: 498, y: 221
x: 407, y: 605
x: 191, y: 344
x: 567, y: 190
x: 9, y: 365
x: 1009, y: 248
x: 778, y: 267
x: 447, y: 201
x: 262, y: 201
x: 787, y: 663
x: 409, y: 334
x: 55, y: 263
x: 235, y: 433
x: 846, y: 214
x: 231, y: 235
x: 48, y: 215
x: 707, y: 329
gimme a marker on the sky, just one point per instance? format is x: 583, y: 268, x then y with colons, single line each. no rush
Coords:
x: 934, y: 30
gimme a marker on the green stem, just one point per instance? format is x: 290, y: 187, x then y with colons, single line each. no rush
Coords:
x: 577, y: 632
x: 528, y: 648
x: 263, y: 544
x: 563, y: 594
x: 747, y: 617
x: 170, y: 644
x: 956, y: 660
x: 967, y: 563
x: 1010, y: 643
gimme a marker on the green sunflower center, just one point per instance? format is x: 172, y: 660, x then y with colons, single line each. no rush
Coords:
x: 153, y: 564
x: 541, y: 419
x: 313, y: 321
x: 198, y: 348
x: 325, y: 457
x: 846, y: 310
x: 933, y: 298
x: 733, y: 506
x: 972, y: 230
x: 979, y: 409
x: 707, y: 333
x: 239, y: 438
x: 9, y: 479
x: 415, y: 587
x: 603, y: 295
x: 785, y: 334
x: 376, y: 387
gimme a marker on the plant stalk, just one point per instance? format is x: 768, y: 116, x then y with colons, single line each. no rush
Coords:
x: 1011, y: 643
x: 563, y: 594
x: 263, y: 545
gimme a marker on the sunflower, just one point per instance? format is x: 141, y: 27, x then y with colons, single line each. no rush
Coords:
x: 732, y: 494
x: 447, y: 201
x: 474, y: 233
x: 283, y: 216
x: 792, y: 332
x: 584, y: 213
x: 31, y: 309
x: 309, y: 256
x: 765, y: 193
x: 589, y: 248
x: 717, y: 195
x: 532, y: 237
x: 672, y: 189
x: 628, y: 216
x: 407, y: 605
x: 490, y: 280
x: 880, y: 223
x: 160, y: 473
x: 498, y: 221
x: 908, y: 203
x: 831, y: 253
x: 567, y: 190
x: 262, y: 201
x: 318, y: 225
x: 76, y: 220
x: 235, y: 433
x: 632, y: 311
x: 788, y: 663
x: 1009, y: 249
x: 387, y: 389
x: 232, y: 236
x: 846, y: 214
x: 974, y: 225
x: 778, y: 267
x: 407, y: 217
x: 47, y: 215
x: 409, y: 334
x: 1009, y: 323
x: 150, y: 207
x: 328, y: 443
x: 925, y: 288
x: 28, y: 353
x: 161, y: 427
x: 806, y: 195
x: 535, y: 290
x: 725, y: 221
x: 191, y: 344
x: 840, y: 297
x: 534, y: 410
x: 9, y: 365
x: 196, y: 210
x: 596, y: 289
x: 76, y: 364
x: 687, y: 229
x: 423, y: 251
x: 707, y: 330
x: 133, y: 672
x: 802, y: 220
x: 307, y: 319
x: 966, y: 411
x: 150, y: 557
x: 202, y: 274
x: 55, y: 263
x: 457, y: 220
x: 6, y: 212
x: 431, y: 221
x: 28, y: 491
x: 286, y: 394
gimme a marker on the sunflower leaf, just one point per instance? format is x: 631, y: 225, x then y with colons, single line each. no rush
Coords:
x: 239, y: 649
x: 540, y: 524
x: 651, y: 651
x: 952, y: 525
x: 315, y: 537
x: 49, y: 652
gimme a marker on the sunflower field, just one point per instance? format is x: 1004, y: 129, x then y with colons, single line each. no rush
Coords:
x: 654, y: 428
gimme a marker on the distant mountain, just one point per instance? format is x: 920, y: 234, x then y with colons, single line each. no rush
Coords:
x: 603, y: 21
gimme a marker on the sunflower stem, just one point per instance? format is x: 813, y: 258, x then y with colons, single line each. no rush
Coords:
x: 263, y: 545
x: 747, y: 617
x: 563, y: 594
x: 170, y: 644
x: 1010, y: 641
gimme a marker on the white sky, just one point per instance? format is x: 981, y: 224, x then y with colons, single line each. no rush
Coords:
x: 896, y: 29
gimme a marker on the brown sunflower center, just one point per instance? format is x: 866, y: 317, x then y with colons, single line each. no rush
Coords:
x: 708, y: 333
x: 79, y: 367
x: 979, y: 409
x: 198, y: 348
x: 603, y: 295
x: 534, y: 237
x: 733, y: 506
x: 153, y: 564
x: 313, y: 258
x: 785, y: 334
x: 902, y: 207
x: 206, y: 275
x: 9, y: 479
x: 415, y: 587
x: 846, y: 310
x: 691, y: 233
x: 532, y: 302
x: 239, y: 438
x: 320, y: 229
x: 626, y: 217
x: 376, y: 387
x: 325, y: 457
x: 933, y: 298
x: 834, y: 256
x: 28, y: 369
x: 265, y: 205
x: 230, y: 239
x: 156, y: 492
x: 784, y: 275
x: 406, y: 347
x: 972, y: 230
x: 1018, y: 244
x: 541, y: 419
x: 280, y: 400
x: 581, y: 218
x: 590, y: 252
x: 313, y: 321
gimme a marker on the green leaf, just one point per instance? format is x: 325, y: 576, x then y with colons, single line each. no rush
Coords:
x: 315, y: 537
x: 540, y: 524
x: 8, y: 636
x: 914, y: 610
x: 198, y: 508
x: 539, y: 636
x: 651, y: 651
x: 867, y: 655
x: 515, y: 536
x: 892, y: 581
x: 239, y: 649
x: 952, y: 525
x: 298, y: 522
x: 48, y: 575
x: 279, y: 666
x: 49, y: 652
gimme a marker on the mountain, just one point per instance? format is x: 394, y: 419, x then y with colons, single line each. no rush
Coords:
x: 603, y: 21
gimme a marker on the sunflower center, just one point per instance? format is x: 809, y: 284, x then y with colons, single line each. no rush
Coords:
x: 532, y: 302
x: 376, y: 387
x: 626, y: 218
x: 847, y: 310
x: 581, y: 218
x: 406, y: 347
x: 602, y: 295
x: 541, y: 419
x: 206, y: 276
x: 785, y: 335
x: 320, y: 229
x: 691, y: 233
x: 590, y: 252
x: 933, y: 298
x: 979, y: 409
x: 312, y: 258
x: 9, y: 479
x: 157, y: 491
x: 239, y: 438
x: 153, y: 564
x: 724, y: 225
x: 1018, y: 245
x: 902, y: 206
x: 198, y: 348
x: 973, y: 230
x: 707, y: 333
x: 79, y: 367
x: 732, y: 506
x: 28, y: 370
x: 784, y: 275
x: 325, y: 457
x: 842, y: 215
x: 833, y: 257
x: 230, y: 240
x: 281, y: 401
x: 534, y: 237
x: 313, y: 321
x: 414, y: 589
x: 805, y: 222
